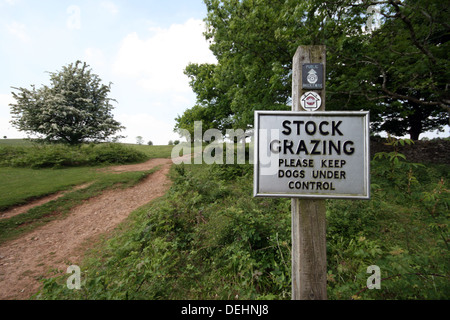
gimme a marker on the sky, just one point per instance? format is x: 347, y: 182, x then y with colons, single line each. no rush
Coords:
x: 141, y: 46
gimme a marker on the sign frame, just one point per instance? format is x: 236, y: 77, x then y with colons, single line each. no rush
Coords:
x: 363, y: 195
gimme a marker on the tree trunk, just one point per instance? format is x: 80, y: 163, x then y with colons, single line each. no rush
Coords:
x: 415, y: 123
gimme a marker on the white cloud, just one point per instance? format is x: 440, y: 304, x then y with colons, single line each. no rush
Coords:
x: 18, y: 30
x: 110, y: 7
x: 157, y: 63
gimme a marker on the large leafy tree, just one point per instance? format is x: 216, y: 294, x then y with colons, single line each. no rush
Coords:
x: 75, y: 108
x: 213, y: 107
x: 244, y: 80
x: 404, y: 61
x: 399, y: 70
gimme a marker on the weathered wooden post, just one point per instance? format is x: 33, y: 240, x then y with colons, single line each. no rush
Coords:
x: 309, y: 154
x: 309, y: 252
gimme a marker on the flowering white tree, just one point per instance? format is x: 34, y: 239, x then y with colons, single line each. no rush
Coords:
x: 74, y: 109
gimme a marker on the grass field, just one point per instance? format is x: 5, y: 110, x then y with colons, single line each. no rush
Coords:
x: 208, y: 238
x: 153, y: 152
x: 19, y: 185
x: 15, y: 142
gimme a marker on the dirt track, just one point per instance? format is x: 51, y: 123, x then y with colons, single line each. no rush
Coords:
x: 62, y: 243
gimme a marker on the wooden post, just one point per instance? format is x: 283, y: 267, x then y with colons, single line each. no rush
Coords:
x: 309, y: 259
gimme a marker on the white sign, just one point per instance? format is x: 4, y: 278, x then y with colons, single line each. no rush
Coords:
x: 312, y: 155
x: 311, y: 101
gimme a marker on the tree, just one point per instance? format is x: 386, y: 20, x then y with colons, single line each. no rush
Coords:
x: 400, y: 118
x: 400, y: 70
x: 139, y: 140
x: 74, y: 109
x: 405, y: 60
x: 244, y: 79
x: 150, y: 143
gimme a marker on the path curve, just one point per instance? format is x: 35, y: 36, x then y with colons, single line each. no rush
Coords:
x: 61, y: 243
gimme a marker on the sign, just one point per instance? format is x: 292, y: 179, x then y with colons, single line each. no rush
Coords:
x: 312, y: 76
x: 312, y: 154
x: 311, y: 101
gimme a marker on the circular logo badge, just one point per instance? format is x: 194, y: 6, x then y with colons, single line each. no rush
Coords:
x: 312, y: 77
x: 311, y: 101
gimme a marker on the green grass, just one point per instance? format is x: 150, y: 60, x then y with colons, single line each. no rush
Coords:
x: 153, y: 151
x: 16, y: 142
x: 37, y: 216
x: 208, y: 238
x: 20, y: 185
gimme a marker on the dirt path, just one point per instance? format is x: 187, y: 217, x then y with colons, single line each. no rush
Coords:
x: 62, y: 243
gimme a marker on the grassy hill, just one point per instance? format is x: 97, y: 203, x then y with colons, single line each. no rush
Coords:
x: 30, y: 171
x: 208, y: 238
x: 15, y: 142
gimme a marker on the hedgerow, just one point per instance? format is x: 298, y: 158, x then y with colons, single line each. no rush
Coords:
x: 59, y: 155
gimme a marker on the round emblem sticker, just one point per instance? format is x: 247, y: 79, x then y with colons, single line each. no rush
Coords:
x: 312, y: 76
x: 311, y: 101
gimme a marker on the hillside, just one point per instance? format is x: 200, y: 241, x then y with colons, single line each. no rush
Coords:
x: 208, y: 238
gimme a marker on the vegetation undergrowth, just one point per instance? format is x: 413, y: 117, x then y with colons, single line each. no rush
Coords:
x: 208, y: 238
x: 61, y: 155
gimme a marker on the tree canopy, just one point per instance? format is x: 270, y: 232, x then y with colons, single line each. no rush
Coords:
x: 74, y: 109
x: 398, y: 70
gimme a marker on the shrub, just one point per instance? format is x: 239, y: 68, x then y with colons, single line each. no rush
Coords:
x: 58, y: 155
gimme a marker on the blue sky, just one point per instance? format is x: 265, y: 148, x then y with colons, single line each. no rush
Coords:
x: 141, y: 46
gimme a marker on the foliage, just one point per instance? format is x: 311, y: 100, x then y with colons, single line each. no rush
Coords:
x: 402, y: 118
x: 409, y: 215
x: 59, y: 155
x: 399, y: 71
x: 139, y: 140
x: 74, y: 109
x: 208, y: 238
x: 193, y: 244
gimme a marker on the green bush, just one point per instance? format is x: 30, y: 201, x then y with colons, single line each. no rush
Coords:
x: 58, y: 155
x: 115, y: 154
